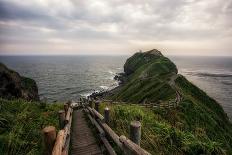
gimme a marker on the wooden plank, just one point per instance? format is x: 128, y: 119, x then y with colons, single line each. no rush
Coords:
x: 109, y: 148
x: 97, y: 114
x: 130, y: 147
x: 107, y: 145
x: 94, y: 122
x: 67, y: 129
x: 68, y: 115
x: 111, y: 133
x: 57, y: 149
x: 82, y: 139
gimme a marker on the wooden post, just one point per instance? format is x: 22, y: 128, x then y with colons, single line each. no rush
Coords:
x: 135, y: 132
x: 65, y: 108
x: 49, y: 134
x: 69, y: 103
x: 91, y: 103
x: 97, y: 106
x: 57, y: 149
x: 61, y: 114
x: 107, y: 115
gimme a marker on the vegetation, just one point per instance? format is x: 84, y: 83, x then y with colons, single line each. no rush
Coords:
x: 28, y: 84
x: 13, y: 86
x: 198, y: 125
x: 146, y: 79
x: 158, y: 135
x: 21, y: 123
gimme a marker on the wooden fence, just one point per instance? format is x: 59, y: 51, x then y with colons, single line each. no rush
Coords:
x: 59, y: 144
x: 128, y: 146
x: 161, y: 105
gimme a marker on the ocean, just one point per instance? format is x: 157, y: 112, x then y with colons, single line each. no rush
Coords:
x: 61, y: 78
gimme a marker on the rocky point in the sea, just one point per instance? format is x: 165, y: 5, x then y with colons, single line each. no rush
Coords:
x: 12, y: 85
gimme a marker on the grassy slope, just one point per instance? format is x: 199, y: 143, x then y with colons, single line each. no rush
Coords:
x: 197, y: 116
x: 158, y: 135
x: 21, y: 123
x: 147, y: 79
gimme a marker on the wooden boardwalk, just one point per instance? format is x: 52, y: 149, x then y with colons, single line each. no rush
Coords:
x: 83, y: 141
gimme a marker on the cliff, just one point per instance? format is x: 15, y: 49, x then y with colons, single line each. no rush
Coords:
x: 12, y: 85
x: 152, y: 78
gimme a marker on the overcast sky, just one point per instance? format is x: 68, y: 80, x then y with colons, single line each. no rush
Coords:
x: 187, y: 27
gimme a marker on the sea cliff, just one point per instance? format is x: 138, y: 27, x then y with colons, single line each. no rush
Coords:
x: 151, y: 78
x: 12, y: 85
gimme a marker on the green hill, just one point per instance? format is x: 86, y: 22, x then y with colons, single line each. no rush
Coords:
x: 150, y: 77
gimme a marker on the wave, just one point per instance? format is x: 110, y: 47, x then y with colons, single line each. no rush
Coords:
x: 104, y: 87
x: 82, y: 91
x: 86, y: 94
x: 110, y: 78
x: 111, y: 72
x: 200, y: 73
x: 226, y: 82
x: 214, y: 74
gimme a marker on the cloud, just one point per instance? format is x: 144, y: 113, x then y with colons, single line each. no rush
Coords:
x: 116, y: 26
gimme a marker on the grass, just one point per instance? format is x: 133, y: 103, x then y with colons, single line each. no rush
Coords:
x: 21, y: 123
x: 158, y: 135
x: 198, y: 125
x: 147, y: 77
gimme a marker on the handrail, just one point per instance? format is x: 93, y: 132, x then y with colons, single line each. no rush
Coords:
x: 57, y: 149
x: 132, y: 147
x: 151, y: 105
x: 126, y: 145
x: 62, y: 141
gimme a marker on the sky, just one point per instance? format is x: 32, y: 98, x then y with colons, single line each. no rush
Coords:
x: 115, y: 27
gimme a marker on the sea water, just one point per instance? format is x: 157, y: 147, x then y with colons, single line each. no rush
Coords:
x: 61, y: 78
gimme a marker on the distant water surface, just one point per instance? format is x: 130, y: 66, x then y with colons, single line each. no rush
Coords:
x: 61, y: 78
x: 212, y: 74
x: 69, y: 77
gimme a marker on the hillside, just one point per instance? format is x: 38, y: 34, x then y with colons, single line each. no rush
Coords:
x: 21, y: 123
x: 22, y: 116
x: 13, y: 86
x: 152, y: 78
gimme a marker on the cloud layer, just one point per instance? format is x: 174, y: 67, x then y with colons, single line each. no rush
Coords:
x: 115, y: 26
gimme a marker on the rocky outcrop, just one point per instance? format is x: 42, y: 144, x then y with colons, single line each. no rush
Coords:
x: 141, y: 58
x: 12, y: 85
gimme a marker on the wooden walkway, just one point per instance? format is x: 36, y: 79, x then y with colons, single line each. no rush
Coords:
x: 82, y: 140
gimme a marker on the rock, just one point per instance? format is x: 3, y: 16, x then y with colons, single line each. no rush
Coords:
x: 120, y: 77
x: 154, y: 52
x: 12, y: 85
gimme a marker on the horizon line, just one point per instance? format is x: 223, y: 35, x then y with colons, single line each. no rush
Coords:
x: 109, y: 55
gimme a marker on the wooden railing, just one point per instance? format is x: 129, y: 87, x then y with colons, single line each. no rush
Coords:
x: 126, y: 145
x: 162, y: 105
x: 59, y: 145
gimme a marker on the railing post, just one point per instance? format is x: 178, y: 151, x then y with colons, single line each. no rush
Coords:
x: 97, y: 106
x: 49, y: 135
x: 61, y: 114
x: 65, y: 108
x: 107, y: 115
x: 135, y: 132
x: 91, y: 103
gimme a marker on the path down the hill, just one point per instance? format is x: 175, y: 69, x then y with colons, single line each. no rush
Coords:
x: 83, y: 141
